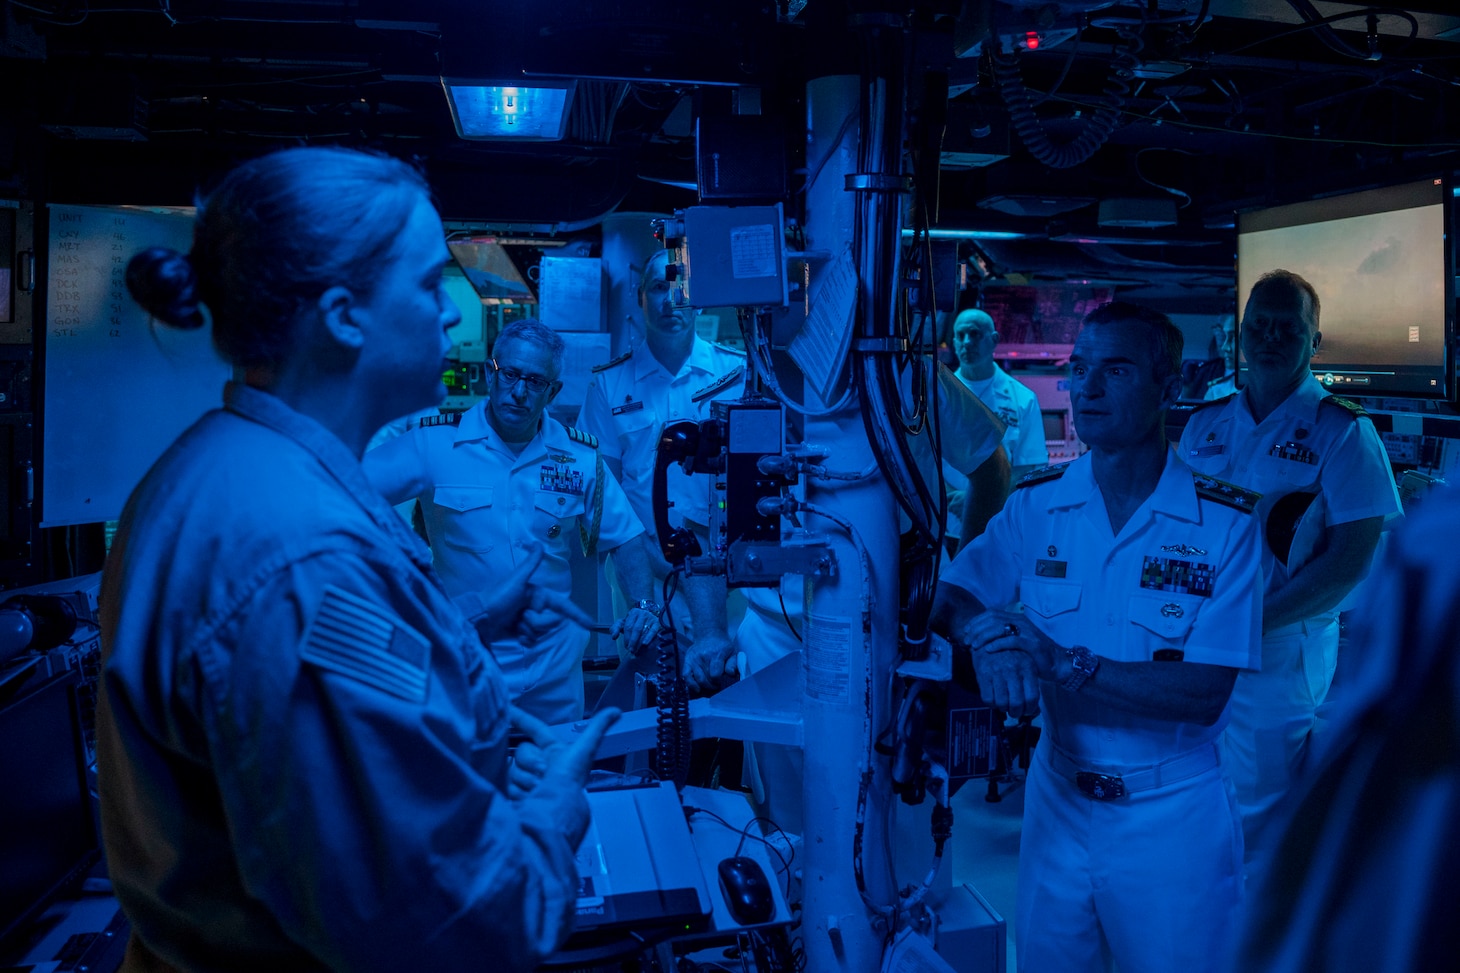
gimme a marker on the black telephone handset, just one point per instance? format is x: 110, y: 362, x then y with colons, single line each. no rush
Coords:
x: 696, y: 446
x: 677, y: 442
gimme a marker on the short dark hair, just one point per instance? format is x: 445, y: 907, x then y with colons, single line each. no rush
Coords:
x: 1164, y: 339
x: 276, y: 233
x: 1294, y: 282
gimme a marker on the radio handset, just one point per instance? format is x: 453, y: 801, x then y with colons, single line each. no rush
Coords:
x: 696, y: 447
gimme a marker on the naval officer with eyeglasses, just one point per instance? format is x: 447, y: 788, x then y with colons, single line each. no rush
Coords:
x: 499, y: 481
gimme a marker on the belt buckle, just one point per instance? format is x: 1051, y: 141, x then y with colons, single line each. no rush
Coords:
x: 1101, y: 787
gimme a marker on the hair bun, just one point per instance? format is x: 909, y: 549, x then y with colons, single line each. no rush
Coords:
x: 164, y: 283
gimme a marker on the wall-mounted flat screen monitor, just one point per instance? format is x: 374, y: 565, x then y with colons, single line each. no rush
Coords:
x: 1381, y: 262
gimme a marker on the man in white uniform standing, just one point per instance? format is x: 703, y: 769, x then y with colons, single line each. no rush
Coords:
x: 502, y: 479
x: 974, y: 341
x: 1140, y: 585
x: 672, y: 375
x: 1327, y: 492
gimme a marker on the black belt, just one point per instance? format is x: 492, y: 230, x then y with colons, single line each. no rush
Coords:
x: 1109, y: 787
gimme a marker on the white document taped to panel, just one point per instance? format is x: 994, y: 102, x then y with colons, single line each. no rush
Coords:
x: 119, y: 387
x: 820, y: 347
x: 828, y: 658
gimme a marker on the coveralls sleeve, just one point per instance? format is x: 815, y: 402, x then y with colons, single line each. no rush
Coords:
x: 359, y: 735
x: 596, y: 419
x: 989, y: 566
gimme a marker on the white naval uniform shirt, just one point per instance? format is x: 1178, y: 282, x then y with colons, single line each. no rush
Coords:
x: 486, y: 505
x: 1305, y: 446
x: 1018, y: 407
x: 1182, y: 574
x: 629, y: 402
x: 1221, y: 388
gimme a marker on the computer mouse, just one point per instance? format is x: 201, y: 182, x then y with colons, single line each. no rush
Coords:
x: 746, y: 889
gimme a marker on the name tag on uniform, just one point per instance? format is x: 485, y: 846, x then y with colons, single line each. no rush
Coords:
x: 1185, y: 577
x: 1215, y: 450
x: 1050, y: 569
x: 619, y: 410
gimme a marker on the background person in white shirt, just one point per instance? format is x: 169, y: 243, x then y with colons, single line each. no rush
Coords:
x: 974, y: 341
x: 1327, y: 492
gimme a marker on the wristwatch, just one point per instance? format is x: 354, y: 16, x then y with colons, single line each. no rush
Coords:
x: 652, y: 607
x: 1084, y: 662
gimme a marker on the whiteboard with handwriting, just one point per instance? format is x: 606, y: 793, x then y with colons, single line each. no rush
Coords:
x: 119, y: 387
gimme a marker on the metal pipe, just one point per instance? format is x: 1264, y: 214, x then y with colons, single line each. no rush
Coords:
x: 843, y: 640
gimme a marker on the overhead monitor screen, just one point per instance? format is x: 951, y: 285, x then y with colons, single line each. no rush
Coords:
x: 1380, y: 263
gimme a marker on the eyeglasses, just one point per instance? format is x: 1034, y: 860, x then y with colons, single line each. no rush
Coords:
x: 536, y: 384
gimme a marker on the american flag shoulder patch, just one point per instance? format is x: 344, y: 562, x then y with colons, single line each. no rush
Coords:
x: 355, y: 638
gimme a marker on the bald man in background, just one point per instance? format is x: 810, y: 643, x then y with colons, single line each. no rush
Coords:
x: 974, y: 341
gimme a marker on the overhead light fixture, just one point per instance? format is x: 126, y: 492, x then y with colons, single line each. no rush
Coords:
x: 507, y: 110
x: 941, y: 234
x: 1159, y: 70
x: 1137, y: 213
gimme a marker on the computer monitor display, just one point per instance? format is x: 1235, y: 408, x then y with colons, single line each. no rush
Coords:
x: 1054, y: 425
x: 46, y: 830
x: 1381, y: 263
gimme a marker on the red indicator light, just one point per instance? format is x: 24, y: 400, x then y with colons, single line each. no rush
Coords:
x: 1031, y: 40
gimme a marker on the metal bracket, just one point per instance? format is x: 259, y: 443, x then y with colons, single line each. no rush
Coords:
x: 764, y: 564
x: 937, y: 667
x: 881, y: 346
x: 878, y: 182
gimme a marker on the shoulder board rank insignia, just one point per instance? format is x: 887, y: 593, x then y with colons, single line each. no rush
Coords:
x: 1228, y: 494
x: 579, y: 436
x: 443, y: 419
x: 719, y: 384
x: 1347, y: 405
x: 1042, y: 475
x: 615, y: 361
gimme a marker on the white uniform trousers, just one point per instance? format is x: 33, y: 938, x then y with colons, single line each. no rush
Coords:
x: 546, y: 678
x: 1149, y: 882
x: 1272, y: 717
